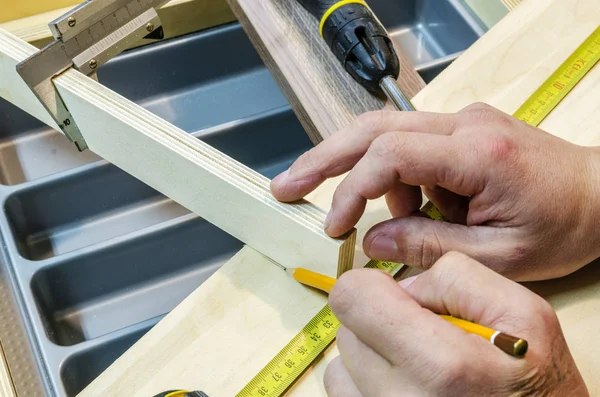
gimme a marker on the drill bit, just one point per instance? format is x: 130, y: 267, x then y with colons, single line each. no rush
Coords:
x: 390, y: 87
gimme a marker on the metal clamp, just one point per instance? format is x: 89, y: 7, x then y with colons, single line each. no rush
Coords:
x: 85, y: 38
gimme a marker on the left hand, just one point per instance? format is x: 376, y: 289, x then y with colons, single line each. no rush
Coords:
x: 519, y: 200
x: 392, y: 344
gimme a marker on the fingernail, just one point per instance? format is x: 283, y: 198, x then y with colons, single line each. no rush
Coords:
x: 281, y: 177
x: 407, y: 281
x: 382, y: 247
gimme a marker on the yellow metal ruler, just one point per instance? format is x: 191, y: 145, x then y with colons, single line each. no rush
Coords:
x: 287, y: 366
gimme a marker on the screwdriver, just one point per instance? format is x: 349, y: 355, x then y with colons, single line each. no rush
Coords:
x: 361, y: 44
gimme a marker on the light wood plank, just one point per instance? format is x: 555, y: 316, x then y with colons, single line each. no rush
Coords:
x: 209, y: 183
x: 532, y: 22
x: 24, y: 8
x: 323, y: 95
x: 179, y: 17
x: 12, y: 87
x: 7, y: 388
x: 204, y: 353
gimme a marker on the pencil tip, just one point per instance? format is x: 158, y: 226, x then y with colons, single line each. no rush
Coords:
x: 290, y: 271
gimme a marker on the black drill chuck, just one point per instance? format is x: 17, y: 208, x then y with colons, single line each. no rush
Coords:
x: 358, y: 41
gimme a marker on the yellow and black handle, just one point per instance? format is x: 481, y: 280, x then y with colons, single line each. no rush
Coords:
x: 357, y: 39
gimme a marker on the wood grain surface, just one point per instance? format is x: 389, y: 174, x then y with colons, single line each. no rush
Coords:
x: 323, y: 95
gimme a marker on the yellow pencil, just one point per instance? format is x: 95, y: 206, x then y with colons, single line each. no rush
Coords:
x: 514, y: 346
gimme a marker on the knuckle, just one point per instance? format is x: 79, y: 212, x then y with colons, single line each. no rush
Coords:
x: 519, y: 254
x: 450, y: 267
x: 476, y: 106
x: 447, y: 372
x: 426, y: 251
x: 371, y: 121
x: 308, y: 160
x: 546, y: 313
x: 454, y: 374
x: 387, y: 145
x: 431, y: 249
x: 483, y: 113
x: 452, y: 259
x: 501, y: 147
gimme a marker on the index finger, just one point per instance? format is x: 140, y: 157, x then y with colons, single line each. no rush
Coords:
x: 378, y: 311
x: 339, y: 153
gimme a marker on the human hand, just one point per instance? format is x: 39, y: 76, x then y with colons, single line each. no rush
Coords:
x: 520, y: 200
x: 392, y: 343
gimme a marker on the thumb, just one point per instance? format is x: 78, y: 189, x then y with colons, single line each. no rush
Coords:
x: 419, y: 242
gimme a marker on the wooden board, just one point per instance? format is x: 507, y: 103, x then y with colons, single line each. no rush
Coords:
x: 209, y: 183
x: 25, y: 8
x: 179, y: 17
x: 323, y: 95
x: 518, y: 48
x: 7, y: 388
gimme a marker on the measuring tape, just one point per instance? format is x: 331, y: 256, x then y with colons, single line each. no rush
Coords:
x: 287, y: 366
x: 302, y: 350
x: 544, y: 100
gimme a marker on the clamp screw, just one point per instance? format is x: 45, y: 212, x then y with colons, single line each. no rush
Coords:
x: 71, y: 21
x: 149, y: 26
x: 93, y: 64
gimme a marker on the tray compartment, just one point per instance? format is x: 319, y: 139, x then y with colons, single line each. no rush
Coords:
x: 82, y: 368
x: 141, y: 278
x: 427, y: 29
x: 82, y: 208
x: 30, y: 150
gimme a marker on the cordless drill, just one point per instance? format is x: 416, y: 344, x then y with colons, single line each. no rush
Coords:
x: 361, y: 44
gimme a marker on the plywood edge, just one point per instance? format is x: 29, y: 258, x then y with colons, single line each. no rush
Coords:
x: 511, y: 4
x: 12, y: 87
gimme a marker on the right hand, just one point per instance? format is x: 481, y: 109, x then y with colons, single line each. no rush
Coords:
x: 391, y: 344
x: 518, y: 199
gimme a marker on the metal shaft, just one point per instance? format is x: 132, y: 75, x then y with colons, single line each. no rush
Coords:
x: 395, y: 95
